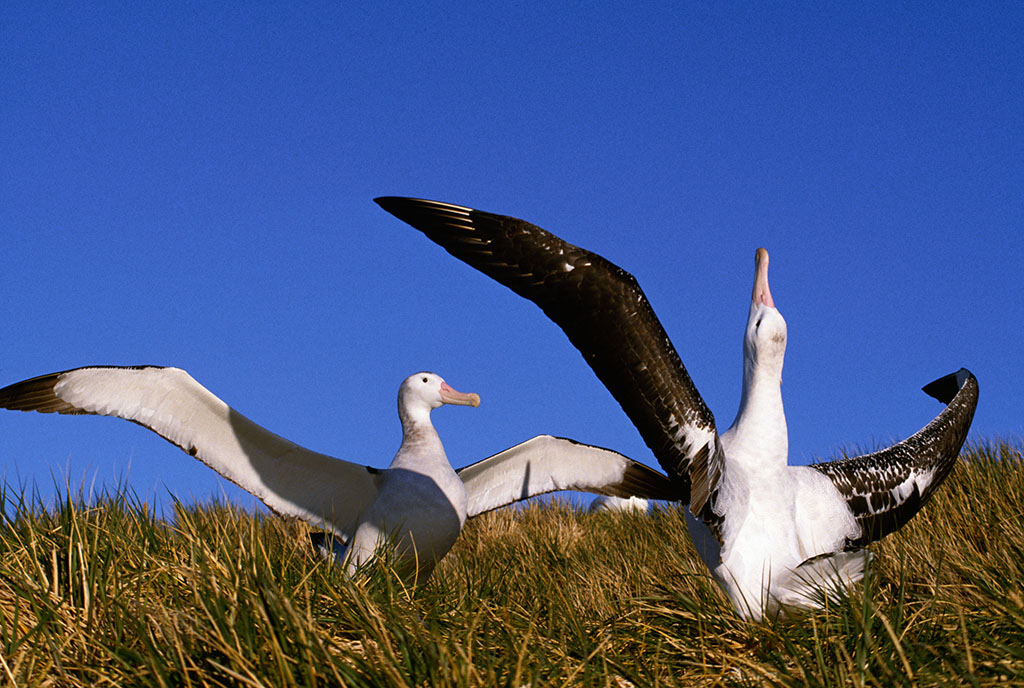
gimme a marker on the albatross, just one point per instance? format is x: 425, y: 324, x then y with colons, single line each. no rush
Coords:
x: 417, y: 506
x: 777, y: 537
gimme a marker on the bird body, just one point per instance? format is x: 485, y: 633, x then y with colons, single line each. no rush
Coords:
x: 775, y: 516
x: 775, y: 536
x: 417, y: 506
x: 633, y: 504
x: 420, y: 506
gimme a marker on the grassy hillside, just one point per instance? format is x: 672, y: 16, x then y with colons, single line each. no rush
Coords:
x: 106, y: 594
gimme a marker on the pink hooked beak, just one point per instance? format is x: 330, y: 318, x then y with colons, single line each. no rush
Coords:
x: 452, y: 396
x: 762, y: 294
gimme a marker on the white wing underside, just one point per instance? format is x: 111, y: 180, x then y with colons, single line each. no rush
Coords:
x: 289, y: 479
x: 549, y: 464
x: 294, y: 481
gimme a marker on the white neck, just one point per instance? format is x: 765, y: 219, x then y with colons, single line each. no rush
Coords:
x: 421, y: 446
x: 759, y: 430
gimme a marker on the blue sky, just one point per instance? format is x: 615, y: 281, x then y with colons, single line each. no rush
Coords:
x: 191, y: 185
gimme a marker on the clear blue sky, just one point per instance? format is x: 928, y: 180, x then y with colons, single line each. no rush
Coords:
x: 190, y: 185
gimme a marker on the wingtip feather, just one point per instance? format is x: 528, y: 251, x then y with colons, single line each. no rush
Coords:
x: 947, y: 386
x: 399, y: 205
x: 386, y: 202
x: 35, y: 394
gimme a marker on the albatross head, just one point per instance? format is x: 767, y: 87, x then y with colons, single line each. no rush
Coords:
x: 764, y: 344
x: 423, y: 392
x: 758, y: 435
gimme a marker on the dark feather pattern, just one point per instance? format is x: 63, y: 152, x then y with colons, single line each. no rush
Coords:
x: 605, y: 315
x: 886, y: 488
x: 36, y: 394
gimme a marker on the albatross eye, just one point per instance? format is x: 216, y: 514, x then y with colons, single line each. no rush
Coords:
x: 424, y: 380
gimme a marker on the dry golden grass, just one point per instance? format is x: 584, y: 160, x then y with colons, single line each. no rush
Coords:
x: 107, y: 594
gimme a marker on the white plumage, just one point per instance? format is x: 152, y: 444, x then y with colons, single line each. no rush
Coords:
x: 774, y: 535
x: 774, y: 516
x: 419, y: 503
x: 634, y: 504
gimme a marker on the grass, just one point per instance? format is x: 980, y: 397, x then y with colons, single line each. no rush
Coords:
x: 104, y: 593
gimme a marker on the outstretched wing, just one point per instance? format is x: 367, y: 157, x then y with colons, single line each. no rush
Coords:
x: 548, y: 464
x: 603, y: 311
x: 289, y: 479
x: 886, y: 488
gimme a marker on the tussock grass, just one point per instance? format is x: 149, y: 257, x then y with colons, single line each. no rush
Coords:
x: 101, y: 592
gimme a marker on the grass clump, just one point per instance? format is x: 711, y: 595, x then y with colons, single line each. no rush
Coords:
x: 103, y: 592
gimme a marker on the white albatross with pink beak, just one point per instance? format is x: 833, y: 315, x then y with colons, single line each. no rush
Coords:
x: 417, y: 506
x: 776, y: 536
x: 783, y: 527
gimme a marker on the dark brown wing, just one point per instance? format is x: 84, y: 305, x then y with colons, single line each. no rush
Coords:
x: 886, y: 488
x: 603, y: 311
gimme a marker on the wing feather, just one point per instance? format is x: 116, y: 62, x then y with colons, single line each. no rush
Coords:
x: 886, y: 488
x: 287, y: 478
x: 606, y: 316
x: 547, y: 464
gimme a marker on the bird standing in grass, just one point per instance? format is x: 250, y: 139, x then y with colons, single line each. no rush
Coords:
x: 418, y: 504
x: 776, y: 536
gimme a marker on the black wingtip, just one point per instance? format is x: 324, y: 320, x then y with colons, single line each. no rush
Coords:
x: 409, y: 210
x: 393, y: 204
x: 946, y: 387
